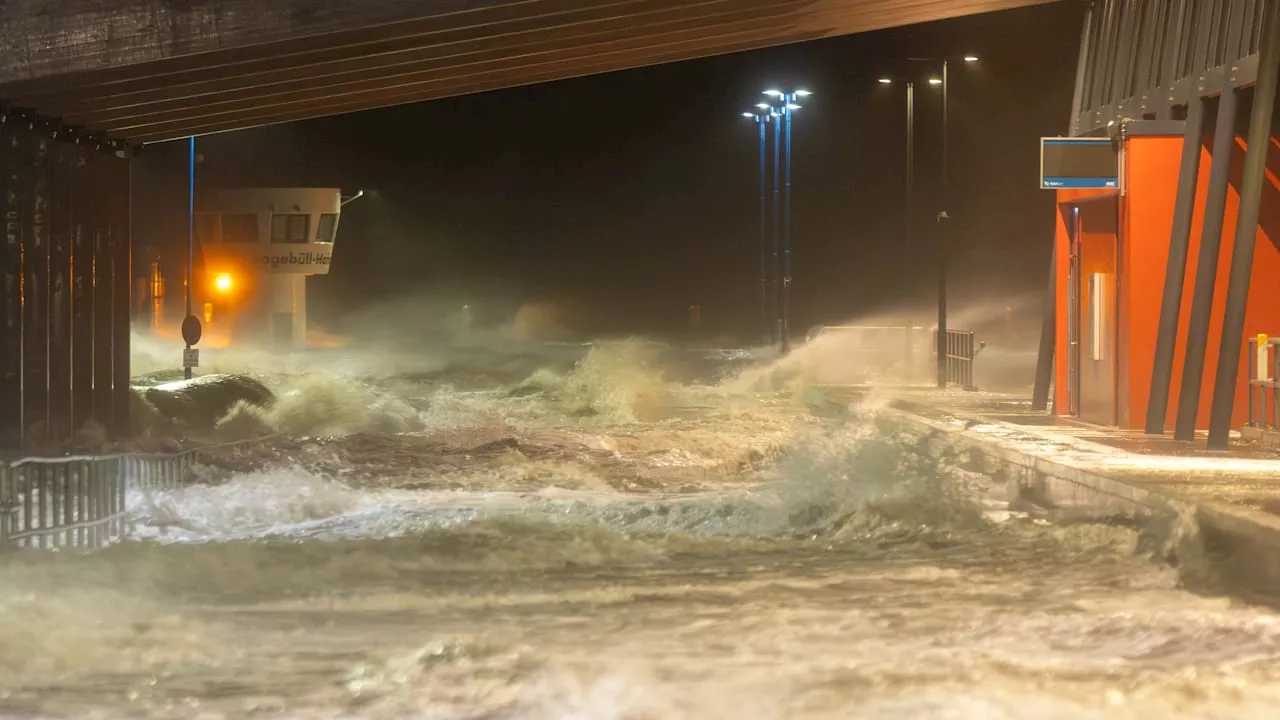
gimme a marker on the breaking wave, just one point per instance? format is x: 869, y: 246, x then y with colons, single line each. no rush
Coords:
x: 603, y: 531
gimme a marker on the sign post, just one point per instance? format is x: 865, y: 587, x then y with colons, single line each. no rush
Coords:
x: 191, y: 332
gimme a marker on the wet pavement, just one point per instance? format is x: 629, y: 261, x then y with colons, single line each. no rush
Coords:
x: 1245, y: 477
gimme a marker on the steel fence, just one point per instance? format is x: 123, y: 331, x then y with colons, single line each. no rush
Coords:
x: 961, y: 349
x: 82, y: 501
x: 912, y: 348
x: 1264, y: 383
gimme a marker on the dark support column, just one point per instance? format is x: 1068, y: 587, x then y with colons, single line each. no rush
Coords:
x: 1048, y: 335
x: 1176, y: 269
x: 10, y: 297
x: 81, y: 290
x: 122, y: 284
x: 34, y: 215
x: 62, y: 157
x: 102, y: 288
x: 1255, y: 166
x: 1215, y: 210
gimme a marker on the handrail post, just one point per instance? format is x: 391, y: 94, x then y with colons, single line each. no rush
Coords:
x: 1253, y: 379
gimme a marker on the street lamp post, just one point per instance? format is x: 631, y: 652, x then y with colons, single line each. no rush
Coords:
x: 909, y: 188
x: 944, y: 218
x: 763, y: 116
x: 786, y: 106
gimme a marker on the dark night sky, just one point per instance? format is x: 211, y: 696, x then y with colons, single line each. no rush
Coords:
x: 634, y: 194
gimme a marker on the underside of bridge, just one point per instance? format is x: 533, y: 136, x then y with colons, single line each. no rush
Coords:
x: 152, y: 70
x: 84, y: 83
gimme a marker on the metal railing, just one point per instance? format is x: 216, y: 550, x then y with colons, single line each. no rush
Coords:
x: 82, y: 501
x: 961, y: 349
x: 911, y: 348
x: 1264, y: 383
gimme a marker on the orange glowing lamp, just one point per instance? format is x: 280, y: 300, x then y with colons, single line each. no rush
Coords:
x: 222, y: 283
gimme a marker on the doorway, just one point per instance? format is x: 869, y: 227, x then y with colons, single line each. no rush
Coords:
x: 1093, y: 288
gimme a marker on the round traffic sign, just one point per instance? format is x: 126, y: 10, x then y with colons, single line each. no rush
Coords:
x: 191, y: 330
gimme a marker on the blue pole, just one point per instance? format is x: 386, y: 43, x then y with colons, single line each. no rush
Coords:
x: 777, y: 234
x: 786, y: 241
x: 191, y: 231
x: 763, y: 121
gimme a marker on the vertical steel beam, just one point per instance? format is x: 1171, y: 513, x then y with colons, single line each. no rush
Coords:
x: 1255, y: 167
x: 10, y: 295
x: 81, y: 290
x: 102, y: 289
x: 35, y: 287
x: 1082, y: 67
x: 1126, y: 52
x: 1175, y: 268
x: 1048, y: 338
x: 1224, y: 136
x: 122, y: 284
x: 62, y: 158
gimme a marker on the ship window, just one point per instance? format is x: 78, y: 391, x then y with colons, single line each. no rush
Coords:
x: 207, y: 228
x: 239, y: 228
x: 327, y: 228
x: 290, y: 228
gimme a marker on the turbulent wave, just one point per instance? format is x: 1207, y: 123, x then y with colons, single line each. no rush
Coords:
x: 608, y: 531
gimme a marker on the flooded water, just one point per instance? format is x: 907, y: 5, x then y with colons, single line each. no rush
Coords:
x: 614, y: 532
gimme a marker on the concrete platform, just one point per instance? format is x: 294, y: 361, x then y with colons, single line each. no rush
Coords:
x: 1216, y: 514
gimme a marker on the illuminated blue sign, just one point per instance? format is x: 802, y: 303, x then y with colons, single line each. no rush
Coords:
x: 1079, y: 164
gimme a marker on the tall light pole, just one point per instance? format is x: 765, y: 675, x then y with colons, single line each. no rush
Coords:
x: 908, y: 202
x: 763, y: 116
x: 944, y: 218
x: 786, y: 106
x: 191, y: 239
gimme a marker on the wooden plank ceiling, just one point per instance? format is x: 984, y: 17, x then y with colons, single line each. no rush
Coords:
x: 227, y: 68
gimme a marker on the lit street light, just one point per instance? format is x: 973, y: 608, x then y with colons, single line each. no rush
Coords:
x: 763, y: 116
x: 908, y: 198
x: 944, y: 217
x: 222, y: 283
x: 785, y: 107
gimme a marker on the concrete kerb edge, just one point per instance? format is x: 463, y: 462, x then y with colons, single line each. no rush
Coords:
x: 1239, y: 522
x: 1094, y: 483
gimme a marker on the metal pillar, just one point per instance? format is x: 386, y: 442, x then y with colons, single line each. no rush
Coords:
x: 191, y: 235
x: 777, y: 232
x: 10, y: 294
x: 1176, y: 268
x: 1224, y: 136
x: 761, y: 120
x: 1255, y: 166
x: 62, y: 166
x: 122, y: 283
x: 785, y: 303
x: 34, y: 219
x: 103, y: 287
x: 82, y: 205
x: 944, y: 221
x: 1048, y: 339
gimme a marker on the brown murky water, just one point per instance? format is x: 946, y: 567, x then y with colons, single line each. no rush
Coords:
x: 599, y: 543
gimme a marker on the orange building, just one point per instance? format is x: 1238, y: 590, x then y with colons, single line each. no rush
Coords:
x: 1111, y: 260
